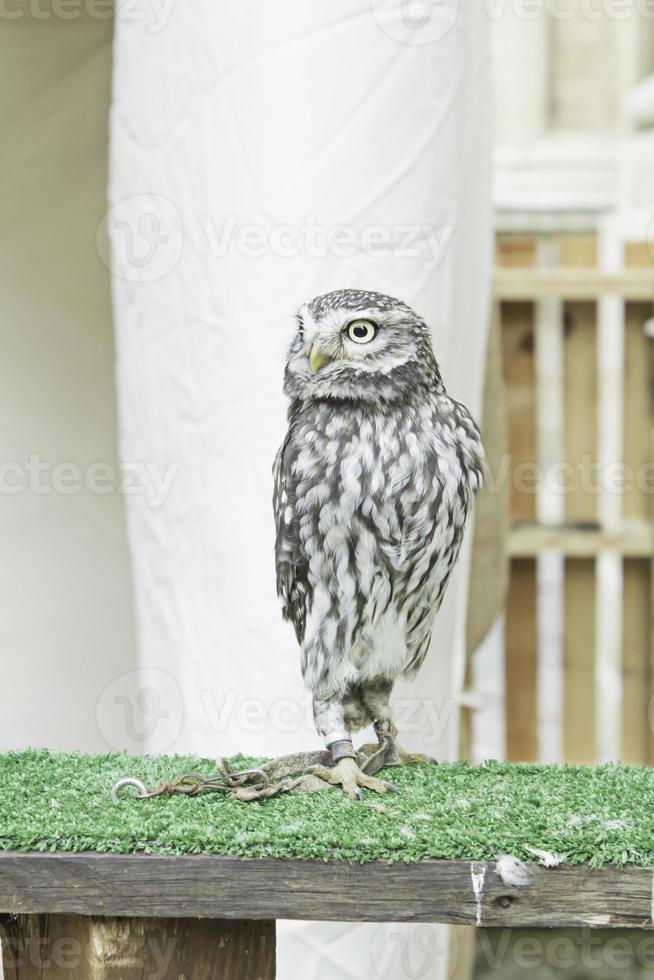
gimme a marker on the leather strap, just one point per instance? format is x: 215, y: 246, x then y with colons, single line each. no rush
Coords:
x: 342, y: 749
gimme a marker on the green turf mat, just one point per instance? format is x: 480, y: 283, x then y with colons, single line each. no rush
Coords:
x: 602, y: 814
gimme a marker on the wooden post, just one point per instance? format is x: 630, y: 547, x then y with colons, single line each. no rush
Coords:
x: 77, y: 947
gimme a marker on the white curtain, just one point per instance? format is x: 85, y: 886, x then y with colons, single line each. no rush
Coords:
x: 262, y: 154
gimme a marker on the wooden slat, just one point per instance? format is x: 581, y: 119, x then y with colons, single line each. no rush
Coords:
x: 580, y: 506
x: 461, y: 953
x: 519, y: 374
x: 578, y: 251
x: 550, y: 509
x: 468, y: 893
x: 637, y: 739
x: 515, y: 251
x: 634, y: 539
x: 572, y: 284
x: 639, y: 576
x: 579, y: 659
x: 521, y: 663
x: 550, y: 395
x: 637, y: 681
x: 581, y: 412
x: 610, y: 450
x: 518, y: 357
x: 639, y: 255
x: 637, y: 501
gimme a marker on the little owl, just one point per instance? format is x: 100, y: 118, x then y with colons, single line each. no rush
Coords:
x: 373, y: 485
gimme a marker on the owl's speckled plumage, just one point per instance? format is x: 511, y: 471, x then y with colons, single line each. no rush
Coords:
x: 373, y: 485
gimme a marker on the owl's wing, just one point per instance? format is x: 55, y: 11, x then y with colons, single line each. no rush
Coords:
x: 291, y: 564
x: 432, y: 532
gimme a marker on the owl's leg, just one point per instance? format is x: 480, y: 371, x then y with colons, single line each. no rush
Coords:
x: 387, y: 752
x: 331, y: 722
x: 394, y: 754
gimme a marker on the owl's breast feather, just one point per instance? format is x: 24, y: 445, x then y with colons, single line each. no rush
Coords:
x: 395, y: 474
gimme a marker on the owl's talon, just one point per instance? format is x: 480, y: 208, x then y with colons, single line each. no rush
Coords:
x: 314, y: 770
x: 347, y: 774
x: 389, y: 753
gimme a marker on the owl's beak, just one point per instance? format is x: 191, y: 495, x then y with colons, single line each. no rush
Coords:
x: 317, y: 358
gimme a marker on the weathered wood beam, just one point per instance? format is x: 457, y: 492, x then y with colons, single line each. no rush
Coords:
x: 464, y: 892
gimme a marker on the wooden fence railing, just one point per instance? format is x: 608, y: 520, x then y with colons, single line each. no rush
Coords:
x: 579, y: 369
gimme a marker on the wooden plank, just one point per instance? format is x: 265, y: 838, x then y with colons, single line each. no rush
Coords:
x: 550, y: 395
x: 74, y: 947
x: 637, y: 501
x: 608, y: 568
x: 639, y: 453
x: 550, y: 509
x: 519, y: 373
x: 579, y: 659
x: 518, y: 358
x: 580, y: 360
x: 580, y: 357
x: 573, y: 284
x: 578, y: 251
x: 636, y: 730
x: 463, y: 892
x: 521, y: 663
x: 639, y: 255
x: 634, y: 540
x: 637, y: 738
x: 515, y: 251
x: 461, y: 954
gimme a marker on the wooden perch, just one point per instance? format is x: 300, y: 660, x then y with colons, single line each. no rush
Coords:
x: 122, y: 914
x: 269, y: 888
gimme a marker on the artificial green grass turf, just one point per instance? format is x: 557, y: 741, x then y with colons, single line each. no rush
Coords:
x: 601, y: 814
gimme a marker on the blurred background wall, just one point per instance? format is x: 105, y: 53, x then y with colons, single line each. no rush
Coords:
x: 66, y: 624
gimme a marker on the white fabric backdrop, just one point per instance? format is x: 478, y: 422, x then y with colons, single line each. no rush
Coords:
x: 261, y: 154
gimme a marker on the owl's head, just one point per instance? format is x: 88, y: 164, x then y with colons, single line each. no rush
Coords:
x: 352, y: 344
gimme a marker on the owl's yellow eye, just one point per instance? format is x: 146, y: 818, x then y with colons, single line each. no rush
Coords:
x: 361, y: 331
